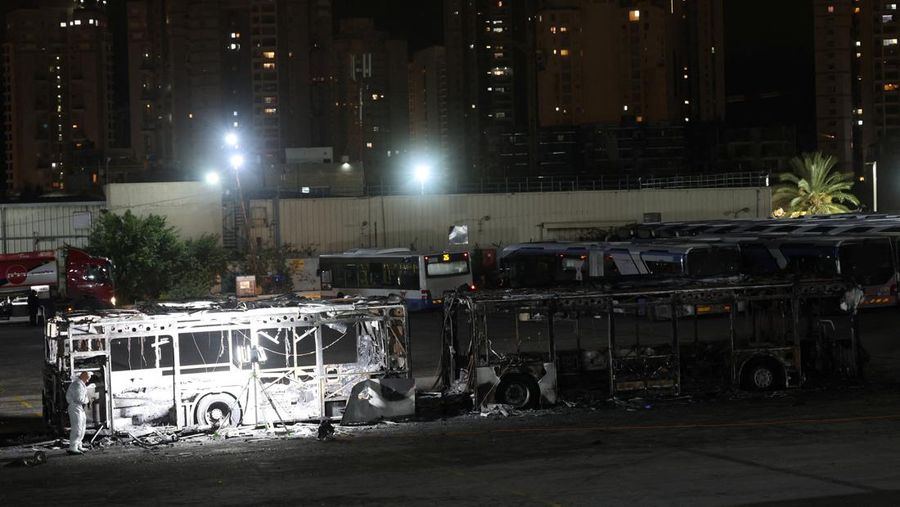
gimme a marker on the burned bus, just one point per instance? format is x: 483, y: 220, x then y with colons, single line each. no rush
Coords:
x: 521, y: 347
x: 217, y: 365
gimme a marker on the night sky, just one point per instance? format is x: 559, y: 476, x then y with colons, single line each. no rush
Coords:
x: 418, y: 21
x: 769, y: 62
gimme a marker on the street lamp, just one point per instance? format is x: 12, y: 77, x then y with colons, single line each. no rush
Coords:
x: 212, y: 178
x: 422, y: 172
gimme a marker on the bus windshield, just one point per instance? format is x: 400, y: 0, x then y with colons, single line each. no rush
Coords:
x: 447, y: 265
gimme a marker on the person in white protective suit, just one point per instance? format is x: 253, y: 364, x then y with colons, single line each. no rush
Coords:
x: 77, y: 398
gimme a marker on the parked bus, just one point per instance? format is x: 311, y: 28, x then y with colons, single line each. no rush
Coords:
x: 865, y: 260
x: 534, y: 265
x: 419, y: 278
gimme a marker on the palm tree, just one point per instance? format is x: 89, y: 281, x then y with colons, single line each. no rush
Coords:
x: 813, y: 189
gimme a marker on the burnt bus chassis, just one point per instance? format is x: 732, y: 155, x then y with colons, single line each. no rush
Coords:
x: 532, y: 380
x: 81, y: 342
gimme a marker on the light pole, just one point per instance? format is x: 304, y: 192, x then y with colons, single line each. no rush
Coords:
x: 236, y: 161
x: 875, y: 187
x: 874, y: 184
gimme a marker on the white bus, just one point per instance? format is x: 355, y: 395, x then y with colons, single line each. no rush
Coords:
x: 419, y: 278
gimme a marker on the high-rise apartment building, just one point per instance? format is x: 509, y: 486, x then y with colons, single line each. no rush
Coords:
x: 428, y: 130
x: 646, y: 61
x: 201, y: 68
x: 491, y: 86
x: 372, y: 97
x: 858, y: 91
x: 57, y: 89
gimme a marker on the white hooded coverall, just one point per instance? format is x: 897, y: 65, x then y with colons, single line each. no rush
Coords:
x: 77, y: 398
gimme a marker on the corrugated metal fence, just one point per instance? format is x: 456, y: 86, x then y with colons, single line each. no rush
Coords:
x: 45, y: 226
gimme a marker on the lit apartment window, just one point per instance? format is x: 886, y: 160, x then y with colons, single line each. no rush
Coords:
x: 830, y: 8
x: 634, y: 15
x: 892, y: 7
x: 625, y: 108
x: 498, y: 29
x: 500, y: 3
x: 369, y: 144
x: 889, y: 87
x: 856, y: 10
x: 859, y: 122
x: 270, y: 110
x: 639, y: 119
x: 269, y: 54
x: 269, y: 65
x: 564, y: 52
x: 552, y: 29
x: 887, y: 18
x: 858, y: 43
x: 190, y: 116
x: 859, y: 111
x: 554, y: 51
x: 563, y: 29
x: 889, y: 42
x: 234, y: 47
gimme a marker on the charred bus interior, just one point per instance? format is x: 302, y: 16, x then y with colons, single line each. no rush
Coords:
x: 527, y: 348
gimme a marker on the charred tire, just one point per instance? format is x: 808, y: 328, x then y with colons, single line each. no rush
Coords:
x: 762, y: 375
x: 519, y: 390
x: 218, y: 410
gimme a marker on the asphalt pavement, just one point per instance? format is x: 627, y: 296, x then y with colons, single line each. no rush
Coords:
x: 835, y: 446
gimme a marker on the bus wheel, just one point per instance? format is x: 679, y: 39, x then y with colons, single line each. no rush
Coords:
x: 762, y: 375
x: 219, y: 411
x: 518, y: 390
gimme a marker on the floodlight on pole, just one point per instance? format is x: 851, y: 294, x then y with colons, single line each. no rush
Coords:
x: 236, y: 160
x: 212, y: 178
x: 422, y: 173
x: 231, y: 139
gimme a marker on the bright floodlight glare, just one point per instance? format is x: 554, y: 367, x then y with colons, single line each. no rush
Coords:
x: 212, y: 178
x: 237, y: 160
x: 345, y: 166
x: 422, y: 172
x: 231, y: 139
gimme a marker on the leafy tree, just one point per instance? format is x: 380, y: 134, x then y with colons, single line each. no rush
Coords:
x: 201, y: 262
x: 150, y: 261
x: 813, y: 188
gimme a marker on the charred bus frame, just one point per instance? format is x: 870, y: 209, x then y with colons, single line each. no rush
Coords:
x: 772, y: 334
x: 209, y: 365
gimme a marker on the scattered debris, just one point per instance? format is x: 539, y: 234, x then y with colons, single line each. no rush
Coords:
x: 38, y: 458
x: 498, y: 409
x: 326, y: 430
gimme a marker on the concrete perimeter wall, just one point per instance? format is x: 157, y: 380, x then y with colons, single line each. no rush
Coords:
x: 193, y: 208
x: 422, y: 221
